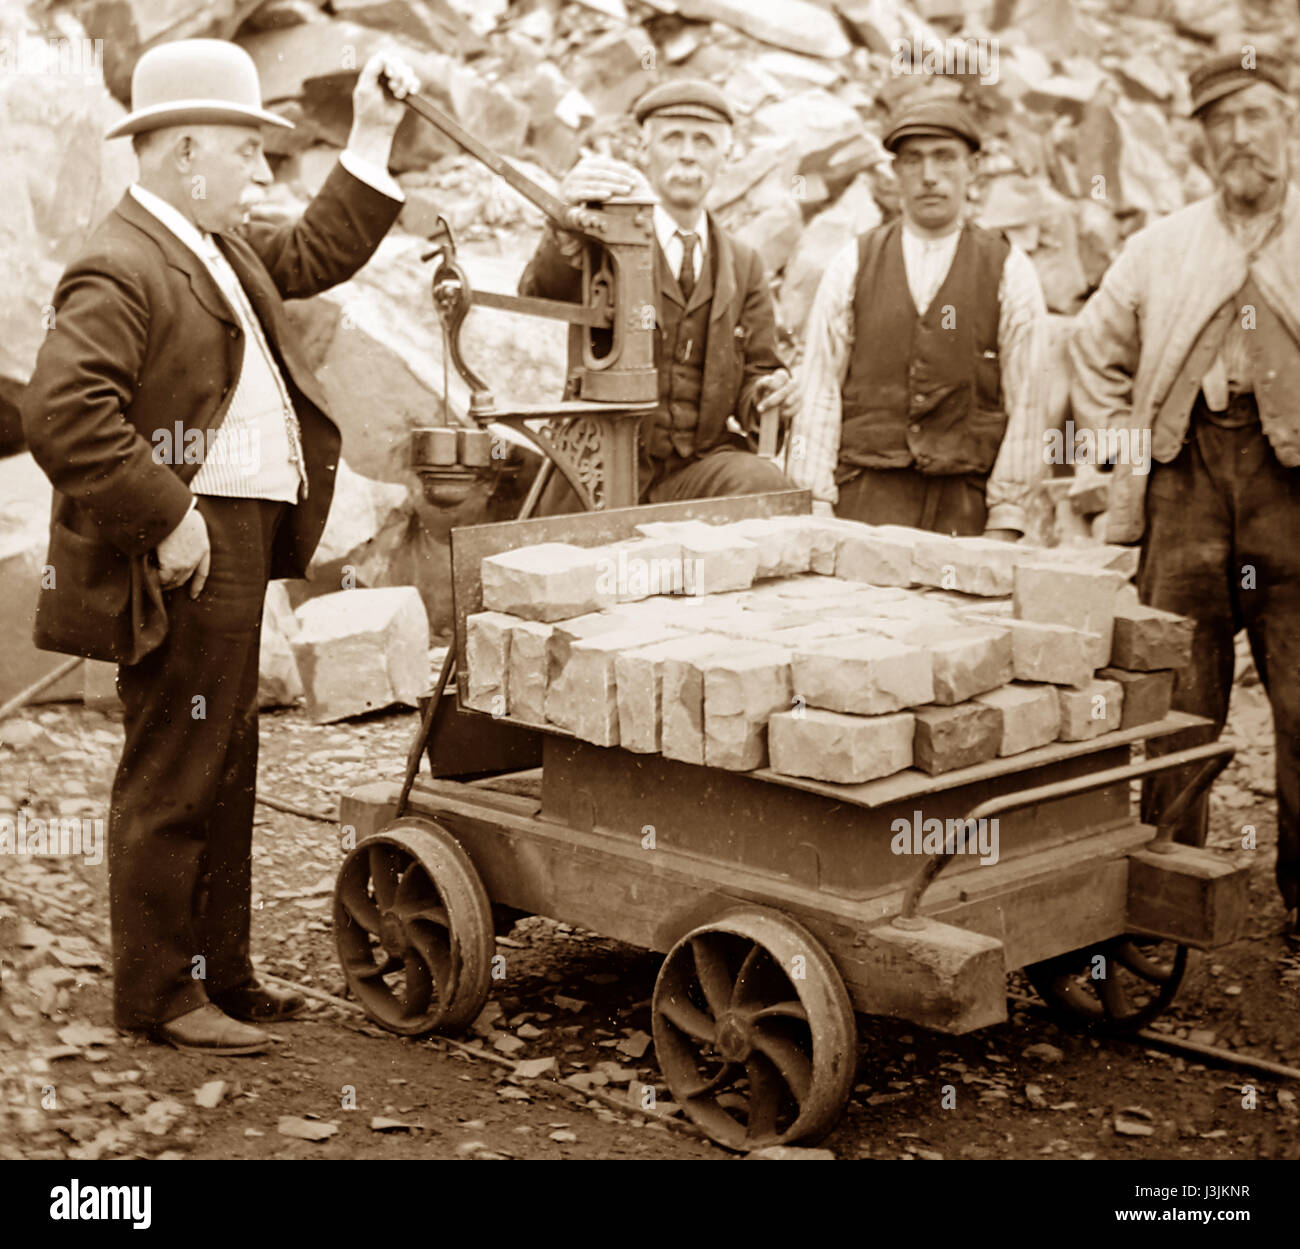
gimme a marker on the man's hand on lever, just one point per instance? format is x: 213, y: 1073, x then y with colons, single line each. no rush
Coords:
x: 595, y: 179
x: 377, y: 108
x: 777, y: 390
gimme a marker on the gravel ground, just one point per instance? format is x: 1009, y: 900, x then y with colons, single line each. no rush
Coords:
x: 74, y: 1088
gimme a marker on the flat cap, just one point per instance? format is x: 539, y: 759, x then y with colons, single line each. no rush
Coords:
x: 685, y: 97
x: 1234, y: 71
x: 944, y: 119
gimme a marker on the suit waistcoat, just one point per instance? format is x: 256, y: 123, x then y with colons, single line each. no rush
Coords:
x: 924, y: 390
x: 682, y: 344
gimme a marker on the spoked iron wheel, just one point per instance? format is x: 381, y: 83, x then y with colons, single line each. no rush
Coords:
x: 1116, y: 987
x: 414, y: 929
x: 754, y: 1030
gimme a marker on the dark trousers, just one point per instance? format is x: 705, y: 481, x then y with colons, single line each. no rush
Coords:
x: 727, y: 470
x: 181, y: 819
x: 1222, y: 546
x: 902, y: 496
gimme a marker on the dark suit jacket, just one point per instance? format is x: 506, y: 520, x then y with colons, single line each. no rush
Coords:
x: 742, y: 324
x: 140, y: 339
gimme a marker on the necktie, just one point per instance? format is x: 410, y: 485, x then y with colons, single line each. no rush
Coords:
x: 686, y: 275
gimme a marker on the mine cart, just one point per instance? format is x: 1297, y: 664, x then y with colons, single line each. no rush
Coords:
x: 779, y: 904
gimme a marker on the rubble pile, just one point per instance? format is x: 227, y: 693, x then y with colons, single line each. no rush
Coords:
x: 821, y: 648
x: 1083, y: 104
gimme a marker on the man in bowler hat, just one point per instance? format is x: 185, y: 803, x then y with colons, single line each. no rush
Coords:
x: 193, y: 458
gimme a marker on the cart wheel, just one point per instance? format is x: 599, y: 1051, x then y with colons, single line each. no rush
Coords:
x: 413, y: 927
x: 1117, y: 987
x: 754, y: 1030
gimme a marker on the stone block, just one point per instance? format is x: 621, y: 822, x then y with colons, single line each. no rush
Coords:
x: 682, y: 696
x: 956, y: 737
x: 638, y: 680
x: 527, y: 666
x: 862, y: 675
x: 582, y: 693
x: 825, y: 533
x: 964, y: 661
x: 1147, y: 639
x: 1048, y: 653
x: 1080, y: 598
x: 980, y: 566
x: 845, y: 749
x: 1147, y: 695
x: 878, y: 555
x: 758, y: 625
x: 713, y: 561
x: 360, y: 650
x: 487, y: 656
x: 1031, y: 716
x: 24, y: 538
x: 278, y: 682
x: 741, y: 692
x: 1120, y: 559
x: 549, y: 582
x: 784, y: 544
x: 640, y: 568
x: 1089, y: 712
x: 804, y: 636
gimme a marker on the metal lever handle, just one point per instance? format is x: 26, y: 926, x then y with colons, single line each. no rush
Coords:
x: 1214, y: 755
x: 567, y: 215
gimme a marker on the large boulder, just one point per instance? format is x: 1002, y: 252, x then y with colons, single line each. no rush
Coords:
x: 24, y: 533
x: 59, y: 176
x: 362, y: 650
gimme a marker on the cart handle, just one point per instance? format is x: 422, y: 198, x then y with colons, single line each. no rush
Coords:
x: 1214, y: 756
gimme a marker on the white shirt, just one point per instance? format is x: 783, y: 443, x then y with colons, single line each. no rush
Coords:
x: 256, y: 452
x: 927, y: 261
x: 666, y: 231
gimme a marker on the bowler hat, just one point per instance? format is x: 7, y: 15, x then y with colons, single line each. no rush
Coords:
x: 685, y: 97
x: 945, y: 119
x: 195, y: 80
x: 1232, y: 72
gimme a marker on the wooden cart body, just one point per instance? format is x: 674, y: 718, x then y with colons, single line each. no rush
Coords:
x: 644, y: 849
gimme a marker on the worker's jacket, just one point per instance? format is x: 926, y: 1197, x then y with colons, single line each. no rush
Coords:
x: 711, y: 351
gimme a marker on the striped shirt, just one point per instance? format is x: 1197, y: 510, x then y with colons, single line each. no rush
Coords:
x: 815, y: 434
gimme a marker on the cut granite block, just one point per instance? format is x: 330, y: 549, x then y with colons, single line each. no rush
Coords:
x: 1089, y: 712
x: 948, y: 738
x: 1147, y: 640
x: 1147, y: 695
x: 741, y: 691
x: 550, y: 581
x: 845, y: 749
x: 862, y: 676
x: 1031, y: 716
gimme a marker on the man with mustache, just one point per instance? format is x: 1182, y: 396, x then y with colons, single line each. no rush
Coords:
x: 193, y: 457
x: 920, y: 387
x: 1194, y: 335
x: 715, y: 330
